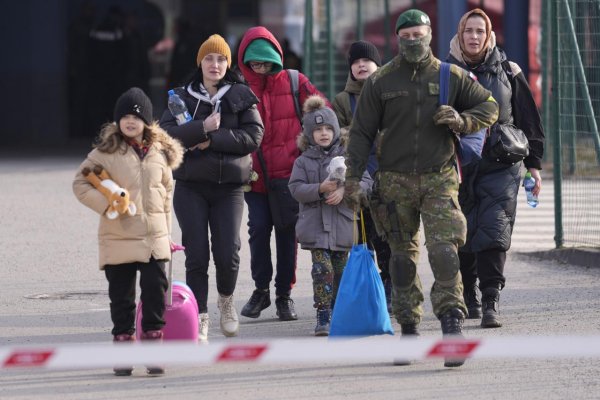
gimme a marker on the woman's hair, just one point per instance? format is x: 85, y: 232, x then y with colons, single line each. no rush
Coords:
x: 196, y: 78
x: 110, y: 139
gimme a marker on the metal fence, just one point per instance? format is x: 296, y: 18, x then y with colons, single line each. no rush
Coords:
x: 571, y: 48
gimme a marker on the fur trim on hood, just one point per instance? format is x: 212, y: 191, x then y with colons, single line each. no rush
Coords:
x: 111, y: 140
x: 303, y: 143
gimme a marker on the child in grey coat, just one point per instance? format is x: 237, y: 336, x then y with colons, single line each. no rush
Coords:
x: 325, y: 222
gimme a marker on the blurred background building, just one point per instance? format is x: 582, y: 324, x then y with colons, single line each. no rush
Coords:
x: 66, y: 61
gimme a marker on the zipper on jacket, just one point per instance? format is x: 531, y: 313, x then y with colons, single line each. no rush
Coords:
x: 145, y: 196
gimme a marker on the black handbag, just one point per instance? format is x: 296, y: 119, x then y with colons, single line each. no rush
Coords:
x: 284, y: 208
x: 507, y: 144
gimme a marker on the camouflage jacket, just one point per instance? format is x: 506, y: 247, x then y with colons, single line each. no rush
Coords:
x: 399, y: 100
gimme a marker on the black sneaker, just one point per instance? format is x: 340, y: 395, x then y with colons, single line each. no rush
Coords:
x: 285, y: 308
x: 259, y: 300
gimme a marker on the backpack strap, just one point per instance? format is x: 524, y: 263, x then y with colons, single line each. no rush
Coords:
x: 352, y: 99
x: 294, y: 85
x: 444, y: 82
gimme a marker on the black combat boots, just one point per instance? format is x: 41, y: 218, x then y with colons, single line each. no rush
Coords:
x: 471, y: 297
x: 452, y: 323
x: 490, y: 297
x: 408, y: 331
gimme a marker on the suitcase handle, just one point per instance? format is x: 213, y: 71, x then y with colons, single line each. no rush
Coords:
x: 174, y: 248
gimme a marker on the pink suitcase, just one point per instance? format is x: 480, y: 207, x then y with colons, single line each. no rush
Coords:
x: 181, y: 313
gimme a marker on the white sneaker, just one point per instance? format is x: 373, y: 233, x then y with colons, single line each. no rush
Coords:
x: 230, y: 325
x: 203, y: 323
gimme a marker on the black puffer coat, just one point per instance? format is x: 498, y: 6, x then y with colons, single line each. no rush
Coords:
x: 227, y: 159
x: 488, y: 193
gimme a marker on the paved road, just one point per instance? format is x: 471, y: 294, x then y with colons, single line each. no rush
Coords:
x: 52, y: 292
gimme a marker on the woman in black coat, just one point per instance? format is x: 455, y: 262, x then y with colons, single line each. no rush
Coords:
x: 488, y: 194
x: 225, y: 128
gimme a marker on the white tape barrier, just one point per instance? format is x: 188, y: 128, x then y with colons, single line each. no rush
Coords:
x: 307, y: 351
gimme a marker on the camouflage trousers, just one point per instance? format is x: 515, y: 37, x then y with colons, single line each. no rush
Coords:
x: 399, y: 203
x: 327, y: 269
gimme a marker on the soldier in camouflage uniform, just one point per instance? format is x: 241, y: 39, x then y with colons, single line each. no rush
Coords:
x: 416, y: 178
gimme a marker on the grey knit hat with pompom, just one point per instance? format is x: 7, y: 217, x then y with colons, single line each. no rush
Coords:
x: 317, y: 113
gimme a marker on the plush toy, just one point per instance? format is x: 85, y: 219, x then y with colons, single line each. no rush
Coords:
x: 118, y: 198
x: 337, y: 170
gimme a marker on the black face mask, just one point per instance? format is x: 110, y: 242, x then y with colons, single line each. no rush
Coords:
x: 414, y: 50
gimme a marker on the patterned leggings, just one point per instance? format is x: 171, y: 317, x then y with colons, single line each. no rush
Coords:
x: 327, y: 269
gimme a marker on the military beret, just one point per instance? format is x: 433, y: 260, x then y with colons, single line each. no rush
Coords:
x: 411, y: 18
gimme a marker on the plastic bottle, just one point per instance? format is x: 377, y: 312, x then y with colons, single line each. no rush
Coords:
x: 529, y: 184
x: 178, y: 108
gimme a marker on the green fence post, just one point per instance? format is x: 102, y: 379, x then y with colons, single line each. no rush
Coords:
x: 308, y: 43
x: 584, y: 84
x: 388, y: 44
x: 558, y: 222
x: 359, y: 20
x: 330, y: 58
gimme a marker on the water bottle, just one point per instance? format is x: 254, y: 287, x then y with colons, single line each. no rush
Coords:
x: 178, y: 108
x: 529, y: 184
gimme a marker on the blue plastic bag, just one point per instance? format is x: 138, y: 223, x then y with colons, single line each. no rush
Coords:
x: 360, y: 307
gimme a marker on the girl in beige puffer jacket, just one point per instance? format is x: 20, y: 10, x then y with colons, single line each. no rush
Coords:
x: 139, y: 156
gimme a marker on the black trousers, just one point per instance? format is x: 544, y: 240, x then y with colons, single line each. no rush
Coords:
x: 486, y: 265
x: 121, y: 291
x: 260, y: 226
x: 200, y: 207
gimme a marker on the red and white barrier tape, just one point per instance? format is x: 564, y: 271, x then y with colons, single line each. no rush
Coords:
x: 307, y: 351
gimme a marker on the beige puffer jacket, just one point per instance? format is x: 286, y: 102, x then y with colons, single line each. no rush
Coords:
x: 150, y: 184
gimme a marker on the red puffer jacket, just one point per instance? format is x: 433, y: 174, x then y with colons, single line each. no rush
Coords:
x: 277, y: 111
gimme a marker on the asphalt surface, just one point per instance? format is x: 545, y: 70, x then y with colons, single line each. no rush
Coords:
x: 53, y: 292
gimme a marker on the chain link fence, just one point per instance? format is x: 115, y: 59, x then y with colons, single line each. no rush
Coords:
x: 572, y: 116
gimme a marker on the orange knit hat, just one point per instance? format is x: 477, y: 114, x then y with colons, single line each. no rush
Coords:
x: 214, y: 44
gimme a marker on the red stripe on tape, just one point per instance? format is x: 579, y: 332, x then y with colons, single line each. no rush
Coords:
x: 453, y: 348
x: 241, y: 353
x: 28, y: 358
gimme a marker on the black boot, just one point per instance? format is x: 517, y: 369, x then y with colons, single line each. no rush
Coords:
x: 123, y: 338
x: 471, y: 297
x: 259, y: 300
x: 410, y: 331
x: 285, y: 308
x: 452, y: 323
x: 323, y: 320
x: 490, y: 299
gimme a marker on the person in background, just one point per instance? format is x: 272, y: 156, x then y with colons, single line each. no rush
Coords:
x: 363, y: 60
x: 225, y: 128
x: 260, y: 60
x: 488, y: 194
x: 139, y: 156
x: 325, y: 225
x: 416, y: 179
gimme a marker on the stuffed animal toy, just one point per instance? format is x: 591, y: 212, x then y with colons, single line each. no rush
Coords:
x: 337, y: 170
x: 118, y: 198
